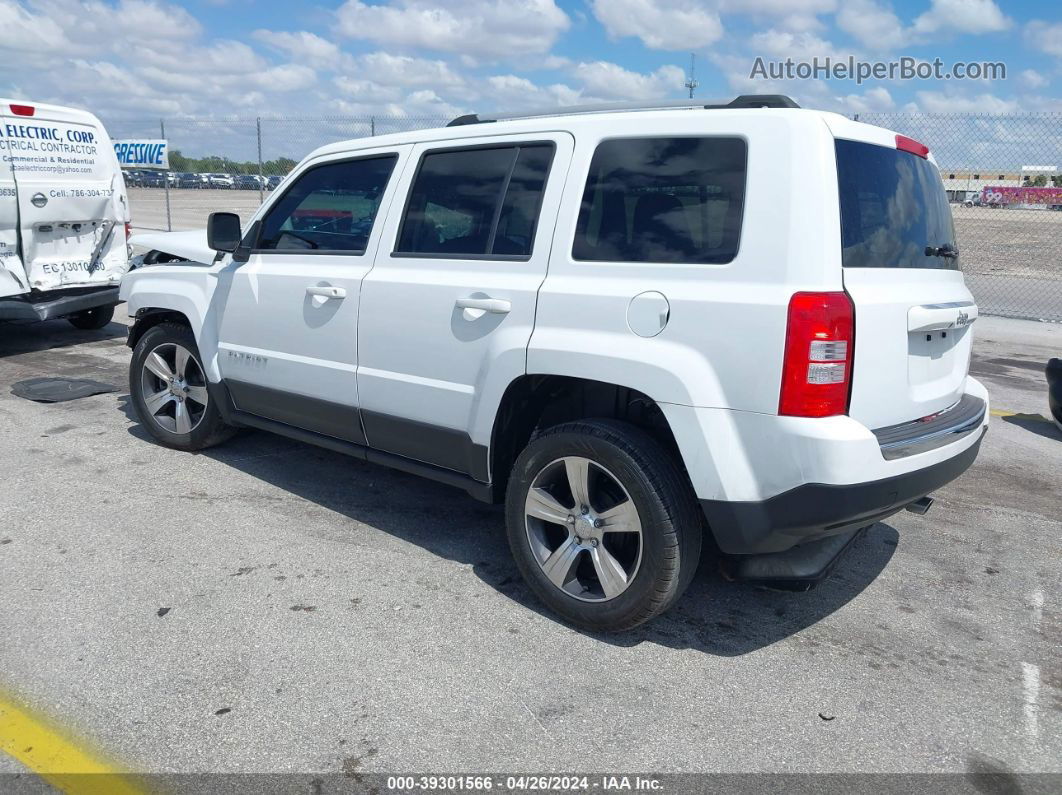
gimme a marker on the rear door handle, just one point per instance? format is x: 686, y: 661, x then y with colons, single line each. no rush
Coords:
x: 326, y: 292
x: 496, y: 306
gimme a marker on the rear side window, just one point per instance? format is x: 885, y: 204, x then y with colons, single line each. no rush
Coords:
x: 894, y: 212
x: 329, y: 208
x: 663, y: 200
x: 481, y: 202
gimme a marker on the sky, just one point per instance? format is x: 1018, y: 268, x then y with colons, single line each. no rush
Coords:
x: 132, y: 60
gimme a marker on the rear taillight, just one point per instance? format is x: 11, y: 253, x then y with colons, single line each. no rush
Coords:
x: 128, y: 229
x: 817, y: 370
x: 22, y: 110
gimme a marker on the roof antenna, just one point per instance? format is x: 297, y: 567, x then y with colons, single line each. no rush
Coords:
x: 692, y: 82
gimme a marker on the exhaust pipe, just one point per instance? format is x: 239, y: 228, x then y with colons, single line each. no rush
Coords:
x: 920, y: 506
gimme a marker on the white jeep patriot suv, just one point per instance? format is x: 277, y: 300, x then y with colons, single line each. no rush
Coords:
x: 634, y: 326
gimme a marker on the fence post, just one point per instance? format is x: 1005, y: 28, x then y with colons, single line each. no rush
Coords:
x: 166, y: 180
x: 261, y: 177
x: 372, y: 125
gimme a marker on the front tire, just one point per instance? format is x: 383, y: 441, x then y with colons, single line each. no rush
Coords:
x: 602, y: 523
x: 170, y: 391
x: 92, y: 319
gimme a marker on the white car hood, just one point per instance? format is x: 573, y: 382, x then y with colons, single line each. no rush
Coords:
x: 190, y: 245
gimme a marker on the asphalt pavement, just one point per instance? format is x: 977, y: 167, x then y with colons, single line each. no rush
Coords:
x: 267, y: 606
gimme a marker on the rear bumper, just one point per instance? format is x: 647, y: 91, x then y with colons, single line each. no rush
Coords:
x: 818, y: 510
x: 26, y: 308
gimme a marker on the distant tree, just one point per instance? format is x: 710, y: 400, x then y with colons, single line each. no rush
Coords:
x: 179, y: 162
x: 224, y: 165
x: 1040, y: 181
x: 1057, y: 180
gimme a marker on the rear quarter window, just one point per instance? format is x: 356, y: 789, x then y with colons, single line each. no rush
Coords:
x: 663, y: 200
x: 894, y: 211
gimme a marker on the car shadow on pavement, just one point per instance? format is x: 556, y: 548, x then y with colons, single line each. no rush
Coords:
x: 714, y: 616
x: 1034, y: 423
x: 18, y: 338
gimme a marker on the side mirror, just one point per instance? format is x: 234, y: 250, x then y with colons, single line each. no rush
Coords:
x: 223, y: 231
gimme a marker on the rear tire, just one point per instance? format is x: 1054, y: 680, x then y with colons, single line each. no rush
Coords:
x: 92, y: 319
x: 170, y: 392
x: 632, y: 553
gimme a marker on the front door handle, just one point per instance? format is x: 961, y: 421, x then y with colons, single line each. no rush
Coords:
x: 326, y: 292
x: 496, y: 306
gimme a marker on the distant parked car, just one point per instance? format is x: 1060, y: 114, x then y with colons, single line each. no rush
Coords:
x: 273, y: 181
x: 186, y: 179
x: 152, y: 179
x: 248, y: 182
x: 220, y: 181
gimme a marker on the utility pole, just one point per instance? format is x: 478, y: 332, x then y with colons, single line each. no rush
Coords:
x: 692, y: 82
x: 166, y: 179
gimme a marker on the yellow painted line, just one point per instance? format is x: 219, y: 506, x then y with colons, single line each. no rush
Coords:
x: 1019, y: 415
x: 57, y: 759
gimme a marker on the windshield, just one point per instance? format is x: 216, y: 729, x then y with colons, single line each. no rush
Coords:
x: 894, y: 212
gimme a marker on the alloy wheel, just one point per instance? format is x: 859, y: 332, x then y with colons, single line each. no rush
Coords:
x: 174, y: 388
x: 583, y: 528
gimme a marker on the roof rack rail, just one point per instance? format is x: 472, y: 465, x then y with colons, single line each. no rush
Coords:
x: 744, y: 101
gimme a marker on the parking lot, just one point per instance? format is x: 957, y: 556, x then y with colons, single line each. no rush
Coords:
x: 188, y: 208
x: 273, y: 607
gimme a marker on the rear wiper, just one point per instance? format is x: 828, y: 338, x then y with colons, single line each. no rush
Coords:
x: 947, y: 250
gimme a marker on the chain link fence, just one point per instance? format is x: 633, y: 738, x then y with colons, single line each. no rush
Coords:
x: 1001, y: 173
x: 232, y: 164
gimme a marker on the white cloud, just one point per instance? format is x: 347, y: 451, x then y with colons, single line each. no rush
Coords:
x: 484, y: 28
x: 22, y: 31
x: 1030, y: 78
x: 1045, y: 37
x: 872, y: 25
x: 939, y: 102
x: 678, y: 25
x: 874, y: 100
x: 42, y: 29
x: 513, y: 93
x: 781, y: 44
x: 403, y: 70
x: 285, y: 77
x: 423, y: 104
x: 612, y: 82
x: 778, y: 7
x: 304, y: 47
x: 962, y: 16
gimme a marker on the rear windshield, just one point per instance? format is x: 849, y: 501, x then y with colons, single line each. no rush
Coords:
x: 894, y: 212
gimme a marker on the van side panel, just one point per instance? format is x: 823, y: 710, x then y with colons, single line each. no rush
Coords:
x: 12, y: 275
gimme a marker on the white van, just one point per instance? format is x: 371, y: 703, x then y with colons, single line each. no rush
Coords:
x: 634, y: 327
x: 64, y: 216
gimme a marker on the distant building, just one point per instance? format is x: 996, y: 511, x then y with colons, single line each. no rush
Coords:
x: 961, y: 184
